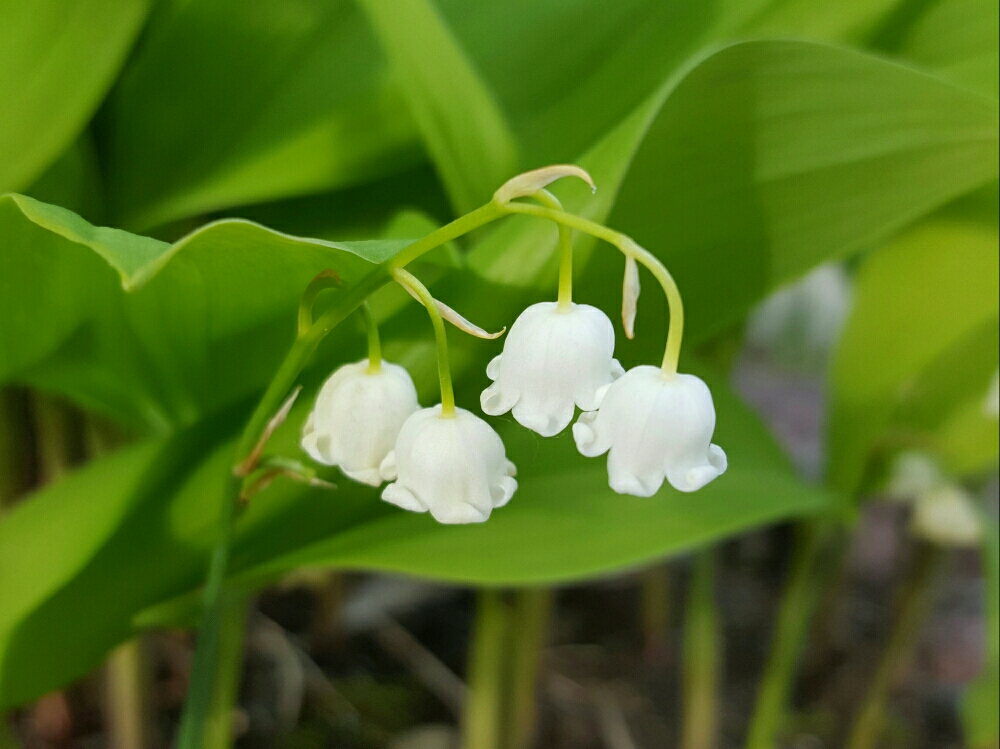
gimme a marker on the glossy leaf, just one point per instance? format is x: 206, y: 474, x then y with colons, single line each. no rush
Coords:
x: 759, y: 162
x: 57, y: 61
x: 155, y: 334
x: 184, y: 134
x: 185, y: 131
x: 920, y: 341
x: 462, y: 126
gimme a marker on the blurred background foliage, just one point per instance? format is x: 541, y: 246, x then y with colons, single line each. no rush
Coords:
x: 745, y: 142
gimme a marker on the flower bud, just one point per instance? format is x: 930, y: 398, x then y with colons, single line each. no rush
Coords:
x: 653, y: 426
x: 357, y: 417
x: 453, y: 466
x: 551, y: 360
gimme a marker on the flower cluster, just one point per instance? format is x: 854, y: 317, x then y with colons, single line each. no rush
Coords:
x: 653, y: 423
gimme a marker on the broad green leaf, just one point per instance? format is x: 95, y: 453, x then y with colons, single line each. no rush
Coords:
x: 135, y: 531
x: 758, y: 162
x: 959, y: 39
x: 155, y: 334
x: 462, y: 126
x: 185, y: 133
x: 291, y: 98
x: 58, y: 58
x: 920, y: 341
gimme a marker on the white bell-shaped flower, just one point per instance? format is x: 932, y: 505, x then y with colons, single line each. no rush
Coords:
x: 654, y: 426
x: 551, y: 360
x: 357, y: 417
x: 453, y: 466
x: 946, y: 515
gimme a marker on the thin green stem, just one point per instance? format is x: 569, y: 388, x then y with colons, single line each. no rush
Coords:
x: 629, y: 248
x: 219, y: 721
x: 914, y: 603
x: 801, y: 594
x: 565, y: 251
x: 374, y: 344
x: 462, y: 225
x: 532, y: 611
x: 407, y: 279
x: 15, y: 439
x: 655, y: 607
x: 127, y: 681
x: 482, y: 724
x: 701, y: 658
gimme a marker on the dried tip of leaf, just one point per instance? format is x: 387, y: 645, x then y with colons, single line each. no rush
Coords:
x: 465, y: 325
x: 321, y: 483
x: 250, y: 463
x: 531, y: 182
x: 630, y: 296
x: 456, y: 319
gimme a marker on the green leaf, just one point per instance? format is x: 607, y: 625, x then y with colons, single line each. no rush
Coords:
x: 922, y: 338
x: 185, y: 131
x: 462, y: 126
x: 960, y: 39
x: 154, y: 334
x: 151, y: 513
x: 758, y: 162
x: 58, y: 60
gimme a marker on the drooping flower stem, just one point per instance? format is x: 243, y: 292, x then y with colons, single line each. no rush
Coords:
x: 374, y: 344
x: 311, y: 333
x: 407, y: 279
x: 549, y: 200
x: 701, y: 657
x: 631, y: 249
x: 195, y: 719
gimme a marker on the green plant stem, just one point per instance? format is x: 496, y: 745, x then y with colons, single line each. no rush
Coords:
x: 565, y: 252
x: 219, y: 722
x: 701, y: 658
x: 192, y: 730
x: 914, y: 604
x: 629, y: 248
x: 799, y: 598
x: 532, y: 612
x: 127, y: 681
x: 58, y: 438
x: 15, y: 434
x: 374, y: 344
x: 483, y: 720
x: 410, y: 281
x: 655, y: 607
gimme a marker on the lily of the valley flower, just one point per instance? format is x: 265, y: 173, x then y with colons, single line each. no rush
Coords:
x: 946, y: 515
x: 653, y: 426
x: 552, y: 359
x: 357, y: 417
x: 454, y: 466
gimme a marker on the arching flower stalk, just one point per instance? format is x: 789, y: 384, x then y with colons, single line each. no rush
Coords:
x: 558, y: 355
x: 447, y: 461
x: 654, y: 423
